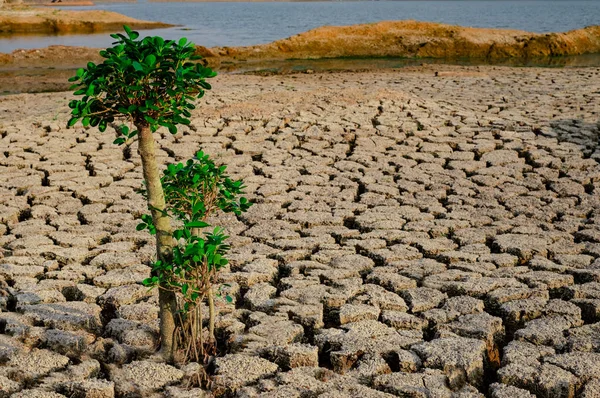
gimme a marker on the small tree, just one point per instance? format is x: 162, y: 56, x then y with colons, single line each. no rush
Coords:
x: 149, y: 83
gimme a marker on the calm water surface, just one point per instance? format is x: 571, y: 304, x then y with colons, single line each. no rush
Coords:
x: 241, y: 24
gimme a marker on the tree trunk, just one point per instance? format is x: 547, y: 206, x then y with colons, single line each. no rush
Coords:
x: 211, y: 313
x: 164, y: 239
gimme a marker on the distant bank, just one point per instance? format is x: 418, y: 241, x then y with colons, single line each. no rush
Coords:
x: 414, y: 39
x: 406, y: 39
x: 19, y: 20
x: 234, y: 24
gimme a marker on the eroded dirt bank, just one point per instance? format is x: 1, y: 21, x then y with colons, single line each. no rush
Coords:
x: 26, y: 20
x: 413, y: 235
x: 420, y: 39
x: 407, y: 39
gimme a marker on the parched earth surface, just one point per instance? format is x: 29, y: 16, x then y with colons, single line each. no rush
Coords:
x: 413, y: 235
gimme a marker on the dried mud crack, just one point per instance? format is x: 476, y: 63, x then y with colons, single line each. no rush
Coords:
x: 415, y: 234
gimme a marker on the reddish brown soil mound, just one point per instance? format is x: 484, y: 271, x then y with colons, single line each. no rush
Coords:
x: 419, y: 39
x: 51, y: 21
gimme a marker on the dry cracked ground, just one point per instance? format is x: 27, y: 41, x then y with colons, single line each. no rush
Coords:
x: 413, y: 235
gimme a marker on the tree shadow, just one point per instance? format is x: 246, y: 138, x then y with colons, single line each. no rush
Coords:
x: 583, y: 136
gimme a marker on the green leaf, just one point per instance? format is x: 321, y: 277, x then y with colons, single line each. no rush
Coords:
x: 229, y: 299
x: 119, y: 141
x: 132, y: 34
x: 147, y: 282
x: 196, y: 224
x: 72, y: 122
x: 149, y: 119
x: 198, y: 206
x: 150, y: 60
x: 141, y: 227
x: 102, y: 126
x: 137, y: 66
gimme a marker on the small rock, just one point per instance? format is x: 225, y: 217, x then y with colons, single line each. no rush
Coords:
x: 237, y: 370
x: 422, y: 298
x: 402, y: 320
x: 293, y: 355
x: 357, y: 312
x: 463, y: 305
x: 461, y: 359
x: 91, y: 388
x: 498, y: 390
x: 71, y: 344
x: 26, y: 366
x: 143, y: 377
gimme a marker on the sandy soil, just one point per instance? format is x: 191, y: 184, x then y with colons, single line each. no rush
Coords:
x: 413, y: 235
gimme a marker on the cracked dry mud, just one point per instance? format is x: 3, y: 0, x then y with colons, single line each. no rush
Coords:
x: 413, y: 235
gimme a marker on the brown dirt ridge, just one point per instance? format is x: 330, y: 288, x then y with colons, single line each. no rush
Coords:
x: 409, y: 39
x: 51, y: 21
x: 419, y: 39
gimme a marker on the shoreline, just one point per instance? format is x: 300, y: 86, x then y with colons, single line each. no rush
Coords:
x: 401, y: 39
x: 393, y: 44
x: 18, y: 80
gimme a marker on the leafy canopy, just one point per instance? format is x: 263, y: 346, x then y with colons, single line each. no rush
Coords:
x: 194, y: 191
x: 151, y: 82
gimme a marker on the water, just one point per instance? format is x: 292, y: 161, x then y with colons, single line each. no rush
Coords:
x: 242, y: 24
